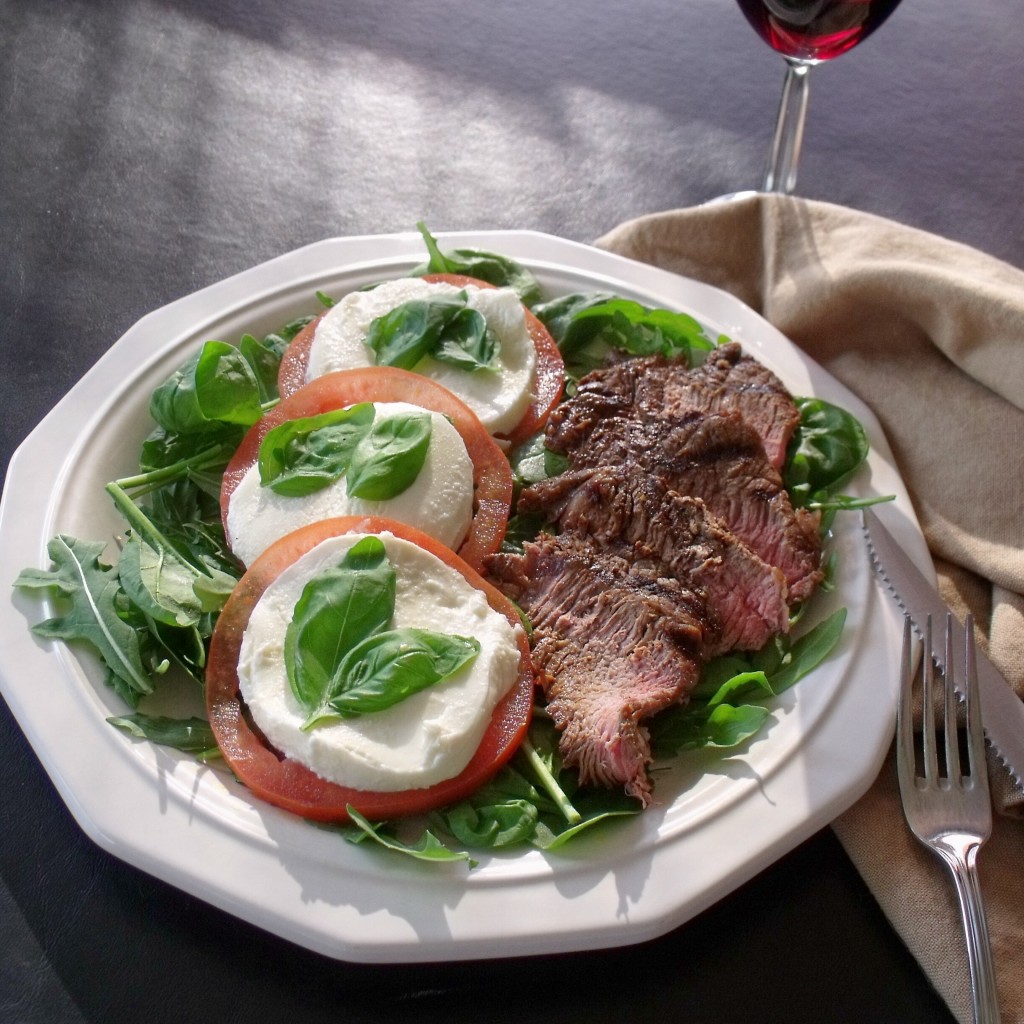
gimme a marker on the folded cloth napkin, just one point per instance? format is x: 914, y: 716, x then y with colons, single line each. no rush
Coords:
x: 930, y: 334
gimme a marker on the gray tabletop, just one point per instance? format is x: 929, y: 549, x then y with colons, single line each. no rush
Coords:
x: 151, y: 148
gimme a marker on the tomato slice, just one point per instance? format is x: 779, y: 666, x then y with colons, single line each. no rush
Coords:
x: 290, y: 785
x: 549, y: 375
x: 492, y: 475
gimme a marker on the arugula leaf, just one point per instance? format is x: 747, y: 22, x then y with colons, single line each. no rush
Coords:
x: 479, y: 825
x: 94, y: 593
x: 493, y: 268
x: 339, y: 607
x: 301, y: 456
x: 390, y: 666
x: 809, y: 650
x: 216, y: 386
x: 389, y: 456
x: 428, y: 847
x: 190, y: 735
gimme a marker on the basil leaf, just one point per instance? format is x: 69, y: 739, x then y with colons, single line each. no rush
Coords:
x: 467, y: 342
x: 484, y: 266
x: 389, y: 456
x: 216, y: 386
x: 412, y: 330
x: 339, y: 607
x: 827, y: 448
x: 388, y: 667
x: 301, y: 456
x: 265, y: 362
x: 587, y: 325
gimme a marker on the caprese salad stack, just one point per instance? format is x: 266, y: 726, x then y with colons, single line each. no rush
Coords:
x: 362, y: 661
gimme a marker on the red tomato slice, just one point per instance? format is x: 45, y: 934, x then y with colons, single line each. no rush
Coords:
x: 492, y: 476
x: 549, y: 375
x: 290, y: 785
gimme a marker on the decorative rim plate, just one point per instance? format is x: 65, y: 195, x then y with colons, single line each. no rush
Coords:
x: 718, y: 821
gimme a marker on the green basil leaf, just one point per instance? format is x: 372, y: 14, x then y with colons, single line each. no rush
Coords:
x: 301, y: 456
x: 265, y: 362
x: 389, y: 456
x: 827, y: 448
x: 216, y: 386
x: 388, y: 667
x: 467, y: 342
x: 493, y: 268
x: 587, y: 325
x: 412, y: 330
x: 339, y: 607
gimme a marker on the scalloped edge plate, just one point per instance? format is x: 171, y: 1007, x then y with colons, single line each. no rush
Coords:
x: 717, y: 821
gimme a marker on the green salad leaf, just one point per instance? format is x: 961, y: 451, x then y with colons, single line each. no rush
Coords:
x: 301, y: 456
x: 443, y: 327
x: 493, y: 268
x: 342, y: 657
x: 214, y: 387
x: 587, y: 326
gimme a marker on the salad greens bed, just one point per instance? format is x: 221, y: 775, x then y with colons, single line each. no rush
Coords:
x: 156, y: 608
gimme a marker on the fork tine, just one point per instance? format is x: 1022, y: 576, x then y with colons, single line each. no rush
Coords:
x: 949, y: 707
x: 904, y: 712
x: 931, y: 762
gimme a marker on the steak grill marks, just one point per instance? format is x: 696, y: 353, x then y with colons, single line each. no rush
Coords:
x: 676, y: 542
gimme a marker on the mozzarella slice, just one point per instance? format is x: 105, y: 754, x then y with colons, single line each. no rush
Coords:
x: 439, y: 502
x: 499, y: 398
x: 423, y: 740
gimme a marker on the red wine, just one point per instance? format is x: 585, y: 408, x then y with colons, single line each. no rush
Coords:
x: 815, y: 30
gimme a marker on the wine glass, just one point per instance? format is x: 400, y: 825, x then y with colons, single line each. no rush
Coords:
x: 806, y: 32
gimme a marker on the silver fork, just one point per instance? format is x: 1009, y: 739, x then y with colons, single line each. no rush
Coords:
x: 950, y: 813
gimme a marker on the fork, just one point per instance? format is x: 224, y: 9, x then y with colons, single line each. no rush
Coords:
x: 950, y: 813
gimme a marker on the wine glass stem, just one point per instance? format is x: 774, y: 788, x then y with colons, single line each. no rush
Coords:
x: 789, y: 129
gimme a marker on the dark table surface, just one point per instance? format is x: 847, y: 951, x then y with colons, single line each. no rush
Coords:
x: 151, y: 148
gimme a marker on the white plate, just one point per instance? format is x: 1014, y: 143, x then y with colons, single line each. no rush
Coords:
x: 718, y: 821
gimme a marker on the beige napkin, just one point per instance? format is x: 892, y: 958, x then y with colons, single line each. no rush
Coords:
x: 930, y: 334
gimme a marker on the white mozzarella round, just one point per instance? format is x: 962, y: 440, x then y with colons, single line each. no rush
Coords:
x: 500, y: 398
x: 423, y: 740
x: 439, y: 502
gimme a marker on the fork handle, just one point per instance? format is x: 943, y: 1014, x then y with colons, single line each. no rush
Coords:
x: 961, y: 859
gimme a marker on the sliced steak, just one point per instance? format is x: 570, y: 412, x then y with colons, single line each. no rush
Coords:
x: 715, y: 457
x: 657, y: 388
x: 677, y: 536
x: 613, y: 645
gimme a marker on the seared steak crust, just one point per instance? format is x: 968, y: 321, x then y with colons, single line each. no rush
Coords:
x: 676, y: 542
x: 658, y: 388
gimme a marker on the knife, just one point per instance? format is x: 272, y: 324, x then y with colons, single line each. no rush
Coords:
x: 1002, y: 710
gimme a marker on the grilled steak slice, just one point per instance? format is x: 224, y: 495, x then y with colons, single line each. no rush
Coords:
x: 612, y: 643
x: 715, y: 457
x: 676, y: 536
x: 658, y: 388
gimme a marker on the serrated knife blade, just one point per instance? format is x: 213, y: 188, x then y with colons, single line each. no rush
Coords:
x: 1001, y: 709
